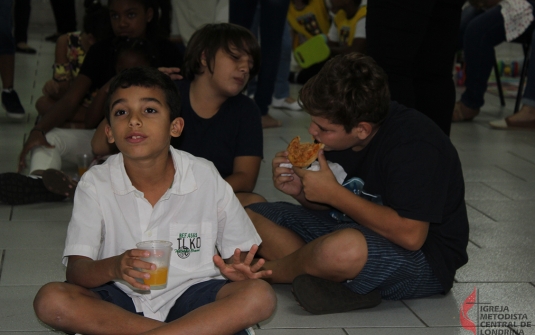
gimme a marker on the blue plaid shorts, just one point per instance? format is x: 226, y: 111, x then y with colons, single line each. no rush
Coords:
x: 396, y: 272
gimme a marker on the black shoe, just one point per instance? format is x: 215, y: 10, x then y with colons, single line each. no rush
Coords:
x: 27, y: 50
x: 321, y: 296
x: 11, y: 102
x: 52, y: 38
x: 18, y: 189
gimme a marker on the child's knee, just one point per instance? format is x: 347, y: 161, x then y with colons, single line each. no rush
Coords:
x: 50, y: 300
x: 265, y: 299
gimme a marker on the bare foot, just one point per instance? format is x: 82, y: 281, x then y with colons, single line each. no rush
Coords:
x: 463, y: 113
x: 269, y: 122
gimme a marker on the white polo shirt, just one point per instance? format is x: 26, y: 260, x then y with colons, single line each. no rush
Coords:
x: 199, y: 213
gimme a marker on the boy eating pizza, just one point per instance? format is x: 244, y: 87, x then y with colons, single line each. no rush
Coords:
x: 396, y: 228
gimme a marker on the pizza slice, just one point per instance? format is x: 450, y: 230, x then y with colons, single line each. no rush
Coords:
x: 303, y: 154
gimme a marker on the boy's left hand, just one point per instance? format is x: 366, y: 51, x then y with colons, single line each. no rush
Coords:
x: 318, y: 186
x: 237, y: 270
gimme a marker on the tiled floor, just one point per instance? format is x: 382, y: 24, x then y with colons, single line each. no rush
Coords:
x: 499, y: 169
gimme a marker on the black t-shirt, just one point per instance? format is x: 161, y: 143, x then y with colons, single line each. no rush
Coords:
x: 99, y: 64
x: 416, y: 171
x: 235, y: 130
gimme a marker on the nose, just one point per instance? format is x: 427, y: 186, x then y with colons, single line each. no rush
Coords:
x: 134, y: 121
x: 123, y: 21
x: 244, y: 65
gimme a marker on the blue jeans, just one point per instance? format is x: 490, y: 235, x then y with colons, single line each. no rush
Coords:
x: 481, y: 31
x: 282, y: 85
x: 7, y: 41
x: 272, y: 18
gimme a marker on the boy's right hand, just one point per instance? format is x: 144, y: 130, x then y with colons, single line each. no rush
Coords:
x: 128, y: 265
x: 285, y: 179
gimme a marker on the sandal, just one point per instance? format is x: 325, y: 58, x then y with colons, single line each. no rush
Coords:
x: 322, y: 296
x: 508, y: 123
x: 58, y: 182
x: 459, y: 115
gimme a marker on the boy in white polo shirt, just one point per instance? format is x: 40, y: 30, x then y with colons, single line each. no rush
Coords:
x: 151, y: 191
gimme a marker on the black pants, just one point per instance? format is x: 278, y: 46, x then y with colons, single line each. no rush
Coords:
x: 414, y: 41
x: 64, y: 15
x: 21, y: 16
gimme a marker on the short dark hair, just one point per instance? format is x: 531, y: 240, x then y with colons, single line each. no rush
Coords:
x: 349, y: 89
x: 212, y: 37
x: 96, y: 20
x: 146, y: 77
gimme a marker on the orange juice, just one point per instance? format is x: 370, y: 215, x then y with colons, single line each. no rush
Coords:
x: 157, y: 277
x: 81, y: 170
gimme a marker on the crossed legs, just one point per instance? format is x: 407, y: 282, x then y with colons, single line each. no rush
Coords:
x: 336, y: 256
x: 72, y: 308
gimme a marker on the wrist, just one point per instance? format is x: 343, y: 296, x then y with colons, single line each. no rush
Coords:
x: 38, y: 130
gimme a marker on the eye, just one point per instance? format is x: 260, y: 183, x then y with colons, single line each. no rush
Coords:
x: 131, y: 15
x: 119, y: 112
x: 114, y: 16
x: 151, y: 110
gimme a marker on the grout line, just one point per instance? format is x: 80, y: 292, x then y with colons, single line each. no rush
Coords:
x: 11, y: 213
x: 2, y: 262
x: 512, y: 174
x: 520, y: 157
x: 416, y: 315
x: 474, y: 243
x: 496, y: 190
x: 477, y: 210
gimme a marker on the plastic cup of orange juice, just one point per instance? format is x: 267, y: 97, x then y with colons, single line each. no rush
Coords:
x: 83, y: 160
x: 160, y: 254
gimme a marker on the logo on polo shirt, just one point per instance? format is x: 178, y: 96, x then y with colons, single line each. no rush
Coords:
x: 187, y: 243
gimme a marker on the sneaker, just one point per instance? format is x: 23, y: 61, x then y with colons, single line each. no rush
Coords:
x: 11, y: 102
x: 58, y: 182
x: 322, y: 296
x: 286, y: 103
x: 18, y: 189
x: 250, y: 331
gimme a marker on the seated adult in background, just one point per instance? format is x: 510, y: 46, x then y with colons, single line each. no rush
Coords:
x: 221, y: 124
x: 486, y: 24
x: 71, y: 49
x: 396, y: 228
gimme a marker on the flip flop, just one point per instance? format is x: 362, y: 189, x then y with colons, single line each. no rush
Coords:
x: 507, y: 123
x: 322, y: 296
x: 58, y: 182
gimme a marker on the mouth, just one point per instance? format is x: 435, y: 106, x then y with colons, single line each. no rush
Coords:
x: 240, y: 80
x: 135, y: 138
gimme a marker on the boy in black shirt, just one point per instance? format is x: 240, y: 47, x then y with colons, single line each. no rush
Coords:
x: 396, y: 228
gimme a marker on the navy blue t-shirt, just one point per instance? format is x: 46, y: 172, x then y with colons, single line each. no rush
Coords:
x: 416, y: 171
x: 235, y: 130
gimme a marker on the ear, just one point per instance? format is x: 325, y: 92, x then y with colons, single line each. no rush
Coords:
x: 203, y: 59
x: 363, y: 130
x: 150, y: 14
x: 109, y: 134
x: 177, y: 125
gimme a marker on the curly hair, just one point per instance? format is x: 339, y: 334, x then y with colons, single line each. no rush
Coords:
x: 349, y: 89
